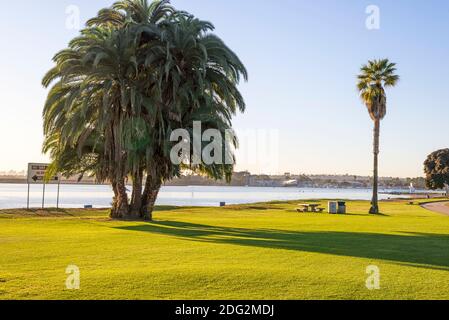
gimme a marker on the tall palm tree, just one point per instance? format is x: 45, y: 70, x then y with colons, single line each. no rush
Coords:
x: 372, y: 81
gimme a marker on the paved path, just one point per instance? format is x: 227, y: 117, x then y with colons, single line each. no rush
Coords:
x: 440, y: 207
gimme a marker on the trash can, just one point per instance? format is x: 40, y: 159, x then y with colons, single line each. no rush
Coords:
x: 333, y: 207
x: 222, y: 204
x: 341, y: 207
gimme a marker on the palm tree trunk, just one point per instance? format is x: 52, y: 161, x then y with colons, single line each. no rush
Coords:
x: 120, y: 207
x: 375, y: 201
x: 136, y: 197
x: 114, y: 200
x: 122, y: 210
x: 118, y: 174
x: 152, y: 187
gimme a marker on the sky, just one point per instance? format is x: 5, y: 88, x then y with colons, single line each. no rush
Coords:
x: 303, y: 113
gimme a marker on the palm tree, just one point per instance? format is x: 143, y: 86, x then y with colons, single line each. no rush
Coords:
x: 372, y: 81
x: 136, y: 73
x: 195, y: 65
x: 95, y: 89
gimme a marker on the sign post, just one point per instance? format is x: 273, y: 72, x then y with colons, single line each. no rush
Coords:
x: 57, y: 197
x: 28, y: 198
x: 43, y: 196
x: 36, y: 175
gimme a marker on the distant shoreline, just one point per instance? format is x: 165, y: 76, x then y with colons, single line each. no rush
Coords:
x: 24, y: 181
x: 243, y: 179
x: 385, y: 191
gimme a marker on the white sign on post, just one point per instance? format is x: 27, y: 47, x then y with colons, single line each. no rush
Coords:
x: 36, y: 175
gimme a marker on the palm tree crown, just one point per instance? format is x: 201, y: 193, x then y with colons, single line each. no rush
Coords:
x: 372, y: 81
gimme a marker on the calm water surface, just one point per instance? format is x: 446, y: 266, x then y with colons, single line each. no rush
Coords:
x: 76, y: 196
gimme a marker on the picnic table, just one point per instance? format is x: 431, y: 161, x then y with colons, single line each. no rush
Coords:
x: 310, y: 207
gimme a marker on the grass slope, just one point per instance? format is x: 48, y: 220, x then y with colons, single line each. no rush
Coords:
x: 263, y: 251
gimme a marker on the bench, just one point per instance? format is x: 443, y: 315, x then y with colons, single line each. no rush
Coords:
x: 313, y: 208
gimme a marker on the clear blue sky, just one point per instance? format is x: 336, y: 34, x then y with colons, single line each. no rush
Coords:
x: 302, y: 57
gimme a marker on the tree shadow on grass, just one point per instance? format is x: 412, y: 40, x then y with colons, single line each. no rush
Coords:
x: 413, y: 249
x: 165, y: 208
x: 173, y: 208
x: 349, y: 214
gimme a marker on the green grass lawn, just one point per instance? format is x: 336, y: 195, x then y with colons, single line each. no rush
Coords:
x: 263, y: 251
